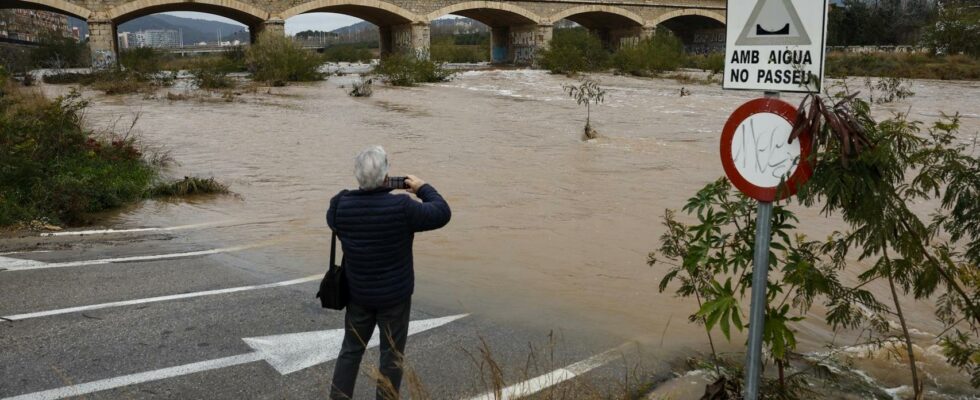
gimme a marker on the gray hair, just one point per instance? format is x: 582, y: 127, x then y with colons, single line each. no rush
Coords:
x: 371, y: 167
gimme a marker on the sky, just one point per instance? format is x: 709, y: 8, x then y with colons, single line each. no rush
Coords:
x: 299, y: 23
x: 311, y: 21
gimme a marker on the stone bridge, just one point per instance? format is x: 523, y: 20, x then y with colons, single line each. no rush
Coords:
x: 518, y: 28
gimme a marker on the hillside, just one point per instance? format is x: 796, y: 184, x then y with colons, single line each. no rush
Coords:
x: 194, y: 30
x: 363, y: 31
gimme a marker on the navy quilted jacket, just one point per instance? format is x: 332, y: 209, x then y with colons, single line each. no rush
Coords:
x: 376, y: 229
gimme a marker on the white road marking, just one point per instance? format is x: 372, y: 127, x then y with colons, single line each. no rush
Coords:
x: 14, y: 264
x: 24, y: 252
x: 133, y: 230
x: 555, y: 377
x: 286, y: 353
x: 40, y: 314
x: 7, y: 263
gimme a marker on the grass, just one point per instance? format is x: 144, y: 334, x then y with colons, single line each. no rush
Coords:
x: 491, y: 377
x: 903, y: 65
x: 407, y: 70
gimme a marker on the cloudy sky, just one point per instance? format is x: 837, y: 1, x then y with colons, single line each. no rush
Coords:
x: 311, y: 21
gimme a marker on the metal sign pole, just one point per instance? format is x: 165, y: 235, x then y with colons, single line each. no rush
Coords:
x: 760, y: 273
x: 757, y: 312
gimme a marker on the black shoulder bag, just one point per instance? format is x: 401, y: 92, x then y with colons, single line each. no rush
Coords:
x: 334, y: 293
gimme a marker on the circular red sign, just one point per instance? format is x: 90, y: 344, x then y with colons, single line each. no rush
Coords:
x: 764, y: 184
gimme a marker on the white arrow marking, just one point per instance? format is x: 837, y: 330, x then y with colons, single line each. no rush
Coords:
x: 13, y: 264
x: 555, y: 377
x: 286, y: 353
x: 18, y: 263
x: 157, y: 299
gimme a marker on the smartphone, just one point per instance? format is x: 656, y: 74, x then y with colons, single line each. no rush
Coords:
x: 396, y: 182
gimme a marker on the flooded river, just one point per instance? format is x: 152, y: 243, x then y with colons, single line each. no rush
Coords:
x: 546, y: 228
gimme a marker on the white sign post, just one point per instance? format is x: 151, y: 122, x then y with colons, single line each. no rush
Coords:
x: 775, y: 45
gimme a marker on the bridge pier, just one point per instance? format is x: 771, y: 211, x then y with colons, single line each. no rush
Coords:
x: 275, y: 25
x: 632, y: 36
x: 102, y: 42
x: 410, y: 39
x: 616, y: 38
x: 518, y: 44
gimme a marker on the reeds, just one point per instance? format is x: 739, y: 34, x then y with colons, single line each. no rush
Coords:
x: 189, y: 186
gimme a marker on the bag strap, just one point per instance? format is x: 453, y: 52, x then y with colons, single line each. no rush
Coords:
x: 333, y: 233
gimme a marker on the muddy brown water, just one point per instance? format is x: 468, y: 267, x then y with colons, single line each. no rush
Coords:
x: 546, y: 229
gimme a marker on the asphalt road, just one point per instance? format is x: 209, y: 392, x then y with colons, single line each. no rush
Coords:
x: 46, y: 343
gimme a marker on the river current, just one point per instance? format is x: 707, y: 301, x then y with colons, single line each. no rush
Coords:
x: 546, y: 228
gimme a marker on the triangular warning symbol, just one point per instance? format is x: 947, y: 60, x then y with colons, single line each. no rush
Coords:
x: 773, y: 23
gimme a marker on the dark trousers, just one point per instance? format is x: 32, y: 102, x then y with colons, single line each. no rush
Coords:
x: 360, y: 322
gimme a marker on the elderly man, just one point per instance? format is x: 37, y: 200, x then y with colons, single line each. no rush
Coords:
x: 376, y: 229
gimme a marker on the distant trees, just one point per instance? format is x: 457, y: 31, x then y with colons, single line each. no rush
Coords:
x: 885, y: 22
x: 311, y: 34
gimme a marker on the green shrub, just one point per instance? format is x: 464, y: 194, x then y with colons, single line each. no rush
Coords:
x: 65, y: 78
x: 408, y: 70
x: 348, y: 53
x: 277, y: 59
x: 232, y: 60
x: 903, y: 65
x: 16, y: 59
x: 51, y: 168
x: 57, y: 51
x: 143, y: 60
x: 189, y: 186
x: 235, y: 59
x: 574, y: 50
x: 662, y: 52
x: 213, y: 73
x: 713, y: 62
x: 446, y: 49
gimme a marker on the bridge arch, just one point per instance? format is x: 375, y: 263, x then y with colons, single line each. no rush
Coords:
x: 689, y: 12
x: 595, y: 15
x: 489, y: 12
x: 513, y: 29
x: 701, y: 31
x: 374, y: 11
x: 246, y: 14
x: 59, y: 6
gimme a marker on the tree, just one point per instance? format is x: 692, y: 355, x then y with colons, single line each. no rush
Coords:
x: 872, y: 174
x: 713, y: 261
x: 874, y: 188
x: 587, y: 93
x: 957, y: 28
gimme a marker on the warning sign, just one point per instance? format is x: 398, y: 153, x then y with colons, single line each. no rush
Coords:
x: 775, y: 45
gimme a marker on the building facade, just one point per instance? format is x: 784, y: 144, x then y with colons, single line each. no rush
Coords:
x: 155, y: 38
x: 32, y: 25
